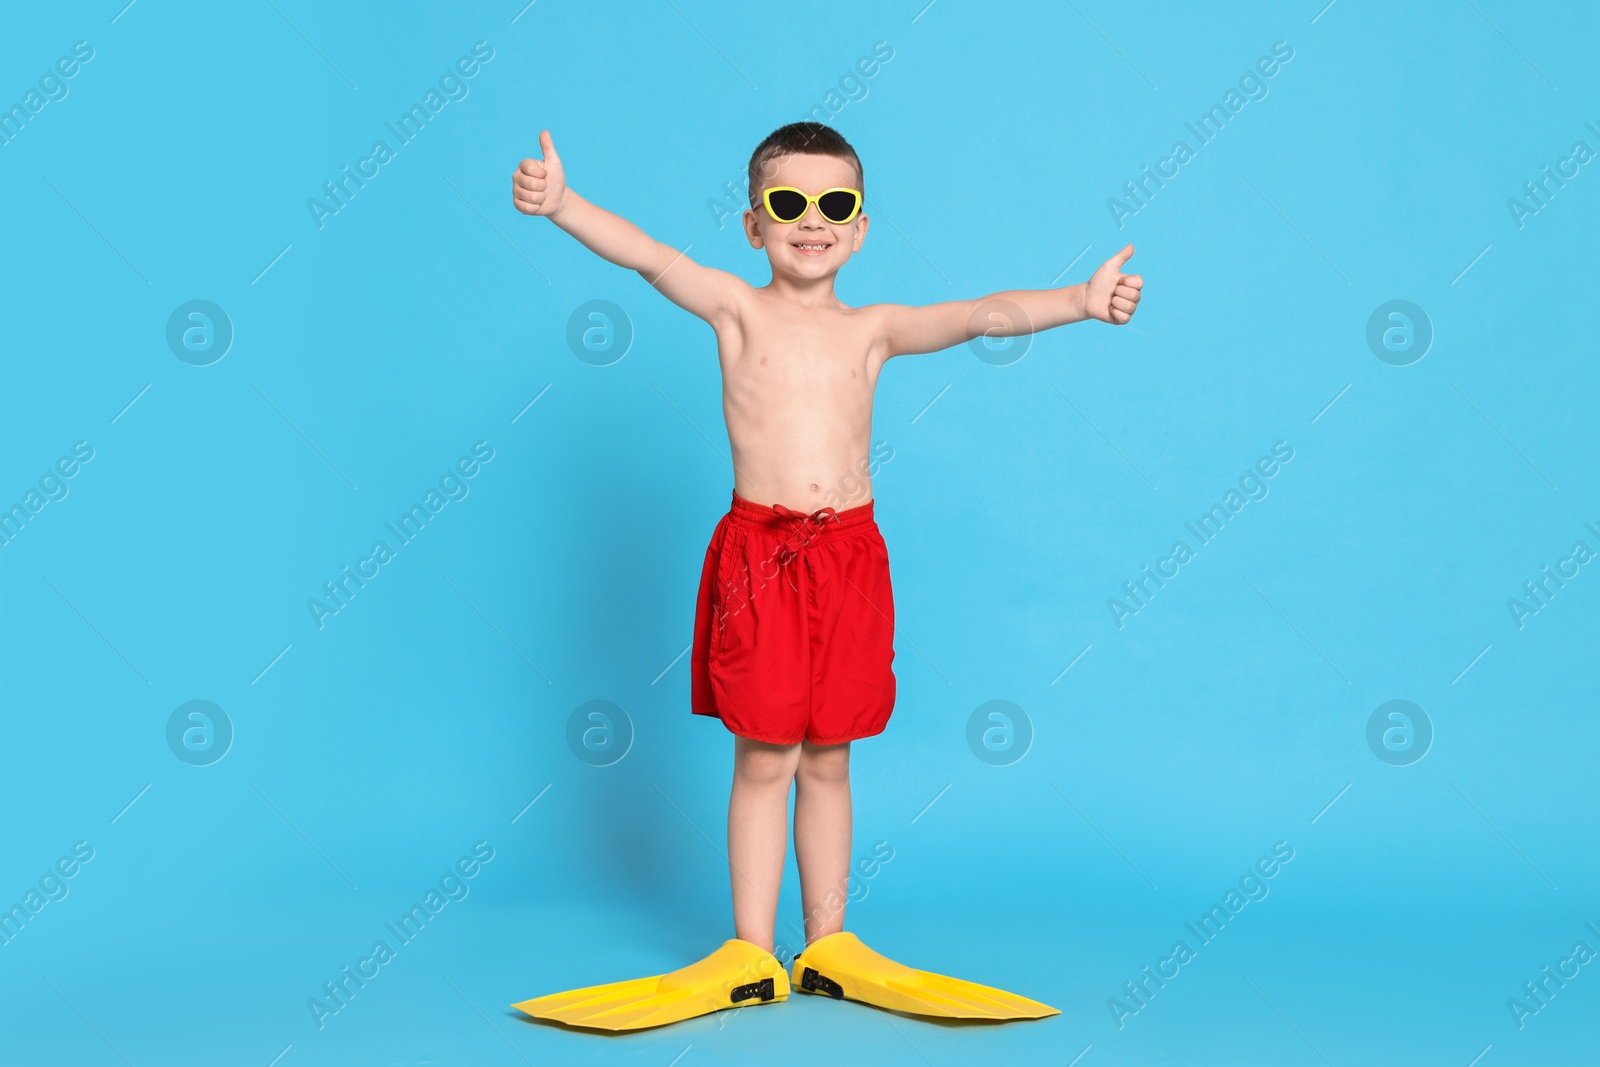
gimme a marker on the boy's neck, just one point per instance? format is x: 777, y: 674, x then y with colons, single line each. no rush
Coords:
x: 803, y: 292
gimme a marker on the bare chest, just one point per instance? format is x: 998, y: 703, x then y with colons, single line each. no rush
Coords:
x: 827, y: 354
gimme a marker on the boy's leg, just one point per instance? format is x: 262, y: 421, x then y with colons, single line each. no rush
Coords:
x: 822, y: 835
x: 758, y: 834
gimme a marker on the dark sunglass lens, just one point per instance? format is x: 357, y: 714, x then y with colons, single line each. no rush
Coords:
x: 787, y: 205
x: 837, y: 206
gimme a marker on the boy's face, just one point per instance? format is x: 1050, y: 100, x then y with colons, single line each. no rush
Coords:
x: 811, y: 246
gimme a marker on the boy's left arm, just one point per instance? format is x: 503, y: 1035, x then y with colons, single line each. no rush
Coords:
x: 1109, y: 296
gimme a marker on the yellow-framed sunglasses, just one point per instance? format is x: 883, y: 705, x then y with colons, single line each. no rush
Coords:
x: 788, y: 204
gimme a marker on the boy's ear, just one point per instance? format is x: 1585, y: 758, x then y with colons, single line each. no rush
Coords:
x: 861, y: 233
x: 752, y: 228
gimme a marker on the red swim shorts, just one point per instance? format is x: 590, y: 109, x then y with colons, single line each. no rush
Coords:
x: 794, y: 628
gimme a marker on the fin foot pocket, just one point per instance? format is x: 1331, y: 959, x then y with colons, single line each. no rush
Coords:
x: 738, y: 973
x: 856, y: 972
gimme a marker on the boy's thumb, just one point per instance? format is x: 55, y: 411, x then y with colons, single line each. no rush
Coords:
x: 1122, y: 257
x: 548, y: 147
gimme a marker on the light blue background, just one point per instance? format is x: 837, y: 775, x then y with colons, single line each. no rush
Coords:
x: 1229, y: 714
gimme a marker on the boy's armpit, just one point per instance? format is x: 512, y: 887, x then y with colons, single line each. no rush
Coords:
x: 710, y: 294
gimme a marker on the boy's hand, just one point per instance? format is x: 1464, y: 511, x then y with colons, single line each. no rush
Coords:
x: 1110, y: 295
x: 539, y: 186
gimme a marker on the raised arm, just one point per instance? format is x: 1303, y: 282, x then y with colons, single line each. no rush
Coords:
x: 1108, y: 296
x: 539, y: 187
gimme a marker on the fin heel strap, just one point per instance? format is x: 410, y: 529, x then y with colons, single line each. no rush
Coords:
x: 814, y: 982
x: 750, y: 991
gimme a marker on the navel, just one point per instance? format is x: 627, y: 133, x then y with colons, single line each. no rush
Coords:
x: 815, y: 488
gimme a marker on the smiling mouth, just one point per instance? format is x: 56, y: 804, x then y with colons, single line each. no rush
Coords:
x: 810, y: 248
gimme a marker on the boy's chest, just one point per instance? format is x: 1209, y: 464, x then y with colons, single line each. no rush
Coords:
x: 824, y: 347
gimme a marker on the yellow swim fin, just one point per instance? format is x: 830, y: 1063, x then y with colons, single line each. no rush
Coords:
x: 840, y: 966
x: 736, y: 974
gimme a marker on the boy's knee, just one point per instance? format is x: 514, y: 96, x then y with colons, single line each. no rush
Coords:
x: 824, y: 763
x: 767, y: 764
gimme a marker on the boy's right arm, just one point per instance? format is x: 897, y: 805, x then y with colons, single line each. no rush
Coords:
x: 539, y: 187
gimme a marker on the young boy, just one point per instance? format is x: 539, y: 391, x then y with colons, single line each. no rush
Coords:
x: 794, y: 627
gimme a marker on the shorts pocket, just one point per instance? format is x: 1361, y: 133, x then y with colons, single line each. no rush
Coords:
x: 729, y: 588
x: 869, y: 625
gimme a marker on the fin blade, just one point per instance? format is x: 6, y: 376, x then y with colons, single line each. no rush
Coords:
x: 576, y: 1006
x: 653, y: 1010
x: 986, y: 1001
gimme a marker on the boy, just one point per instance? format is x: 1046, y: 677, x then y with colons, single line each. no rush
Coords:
x: 794, y: 625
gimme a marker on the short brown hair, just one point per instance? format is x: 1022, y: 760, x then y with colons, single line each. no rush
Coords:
x: 802, y: 138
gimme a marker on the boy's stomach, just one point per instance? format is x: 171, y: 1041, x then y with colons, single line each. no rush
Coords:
x: 801, y: 475
x: 800, y: 437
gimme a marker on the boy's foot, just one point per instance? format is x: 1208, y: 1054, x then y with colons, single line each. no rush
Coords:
x: 840, y: 966
x: 735, y: 975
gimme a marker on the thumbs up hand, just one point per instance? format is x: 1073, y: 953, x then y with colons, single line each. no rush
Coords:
x: 1110, y: 295
x: 539, y: 186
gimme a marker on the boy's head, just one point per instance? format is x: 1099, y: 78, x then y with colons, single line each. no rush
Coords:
x: 799, y: 138
x: 812, y: 158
